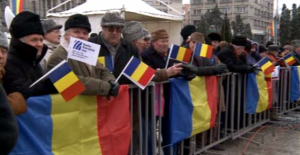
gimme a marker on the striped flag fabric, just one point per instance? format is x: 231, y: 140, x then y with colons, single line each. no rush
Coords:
x: 294, y: 84
x: 107, y: 62
x: 193, y: 106
x: 273, y: 28
x: 65, y: 81
x: 258, y: 93
x: 181, y: 53
x: 17, y: 6
x: 266, y: 65
x: 203, y: 50
x: 90, y: 125
x: 289, y: 59
x: 138, y: 72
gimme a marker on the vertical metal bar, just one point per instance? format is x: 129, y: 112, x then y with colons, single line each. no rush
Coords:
x: 140, y: 119
x: 284, y: 93
x: 182, y: 148
x: 147, y: 120
x: 243, y: 100
x: 153, y: 121
x: 289, y: 83
x: 227, y: 104
x: 131, y: 119
x: 159, y: 126
x: 219, y: 107
x: 239, y: 101
x: 232, y: 103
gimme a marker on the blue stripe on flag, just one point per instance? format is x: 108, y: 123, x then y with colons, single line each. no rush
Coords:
x: 132, y: 66
x: 40, y: 140
x: 174, y: 52
x: 60, y: 72
x: 181, y: 105
x: 294, y: 86
x: 108, y: 63
x: 252, y: 94
x: 197, y: 49
x: 264, y: 61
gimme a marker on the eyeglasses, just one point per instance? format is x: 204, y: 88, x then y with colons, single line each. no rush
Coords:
x: 112, y: 29
x: 55, y: 31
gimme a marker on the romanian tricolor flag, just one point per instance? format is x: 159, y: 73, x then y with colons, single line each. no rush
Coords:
x: 294, y: 85
x: 65, y: 81
x: 203, y: 50
x: 107, y: 62
x: 181, y: 53
x: 266, y: 65
x: 88, y: 125
x: 138, y: 72
x: 193, y: 106
x: 273, y: 28
x: 17, y: 6
x: 289, y: 59
x: 258, y: 93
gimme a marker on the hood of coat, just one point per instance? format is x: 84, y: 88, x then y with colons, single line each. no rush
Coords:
x: 26, y: 52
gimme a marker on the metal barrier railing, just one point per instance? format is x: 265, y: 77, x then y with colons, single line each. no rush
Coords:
x: 232, y: 120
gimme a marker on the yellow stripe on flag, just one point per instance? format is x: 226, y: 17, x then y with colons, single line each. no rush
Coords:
x: 139, y: 71
x: 201, y: 114
x: 18, y: 6
x: 65, y: 81
x: 290, y: 59
x: 203, y: 52
x: 101, y: 60
x: 266, y: 65
x: 263, y: 93
x: 72, y: 130
x: 180, y: 54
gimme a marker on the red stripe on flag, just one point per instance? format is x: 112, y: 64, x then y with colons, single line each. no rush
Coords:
x: 146, y: 77
x: 272, y: 30
x: 187, y: 55
x: 212, y: 96
x: 21, y: 6
x: 73, y: 91
x: 209, y: 52
x: 292, y: 62
x: 270, y: 69
x: 270, y: 93
x: 113, y: 122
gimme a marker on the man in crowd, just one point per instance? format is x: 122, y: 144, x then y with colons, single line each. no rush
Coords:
x: 113, y: 45
x: 186, y: 32
x: 262, y: 51
x: 51, y: 39
x: 97, y: 79
x: 146, y: 39
x: 24, y: 56
x: 215, y: 39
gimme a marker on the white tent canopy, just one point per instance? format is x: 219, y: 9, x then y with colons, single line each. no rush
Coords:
x: 132, y: 10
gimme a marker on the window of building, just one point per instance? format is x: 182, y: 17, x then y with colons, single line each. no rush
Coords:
x: 33, y: 3
x: 197, y: 22
x: 225, y: 0
x: 211, y: 1
x: 198, y: 12
x: 225, y: 10
x: 240, y: 9
x: 197, y: 1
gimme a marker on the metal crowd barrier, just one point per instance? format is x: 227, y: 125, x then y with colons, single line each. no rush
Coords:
x: 232, y: 120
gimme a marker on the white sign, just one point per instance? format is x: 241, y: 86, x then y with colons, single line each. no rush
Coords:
x: 83, y: 51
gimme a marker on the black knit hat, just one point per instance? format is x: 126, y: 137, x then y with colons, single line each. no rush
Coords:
x: 187, y: 31
x: 78, y: 21
x: 24, y: 24
x: 239, y: 41
x: 262, y: 48
x: 215, y: 36
x: 273, y: 48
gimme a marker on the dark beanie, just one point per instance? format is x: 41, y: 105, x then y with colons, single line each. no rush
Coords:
x: 78, y: 21
x: 187, y: 31
x: 273, y: 48
x: 215, y: 36
x: 24, y: 24
x: 239, y: 41
x: 262, y: 48
x: 248, y: 46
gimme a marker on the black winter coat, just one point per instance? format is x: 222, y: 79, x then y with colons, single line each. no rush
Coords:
x: 23, y: 69
x: 8, y: 125
x: 123, y: 55
x: 233, y: 63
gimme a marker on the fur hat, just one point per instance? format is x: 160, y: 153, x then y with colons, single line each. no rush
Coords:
x: 197, y: 37
x: 132, y: 31
x: 239, y: 41
x: 24, y: 24
x: 273, y: 48
x: 215, y: 36
x: 262, y: 48
x: 49, y: 25
x: 78, y: 21
x: 159, y: 34
x: 288, y: 47
x: 112, y: 19
x: 3, y: 41
x: 187, y: 31
x: 146, y: 34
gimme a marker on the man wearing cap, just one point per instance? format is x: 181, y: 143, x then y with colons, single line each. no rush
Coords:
x: 215, y: 39
x: 97, y: 79
x: 186, y: 32
x: 234, y: 56
x: 113, y: 45
x: 24, y: 56
x: 51, y: 39
x: 262, y: 50
x: 146, y: 39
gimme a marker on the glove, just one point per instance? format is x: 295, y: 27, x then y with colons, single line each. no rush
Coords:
x: 114, y: 88
x: 187, y: 68
x: 188, y: 75
x: 17, y: 103
x: 221, y: 68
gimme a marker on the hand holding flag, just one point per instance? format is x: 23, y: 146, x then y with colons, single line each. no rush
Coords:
x: 266, y: 65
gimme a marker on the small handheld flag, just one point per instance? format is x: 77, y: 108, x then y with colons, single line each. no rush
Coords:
x: 106, y: 61
x: 203, y: 50
x: 266, y: 65
x: 289, y: 59
x: 180, y: 53
x: 65, y: 81
x: 138, y: 72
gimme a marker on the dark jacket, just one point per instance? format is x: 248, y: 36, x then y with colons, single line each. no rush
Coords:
x: 297, y: 57
x: 123, y: 55
x: 8, y: 125
x: 234, y: 63
x: 23, y: 69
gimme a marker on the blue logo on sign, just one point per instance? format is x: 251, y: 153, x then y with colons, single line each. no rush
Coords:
x: 77, y: 45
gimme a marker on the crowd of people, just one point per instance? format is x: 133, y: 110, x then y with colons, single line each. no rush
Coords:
x: 37, y: 46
